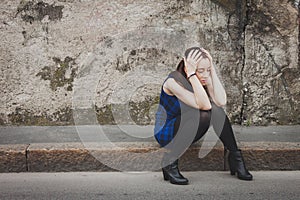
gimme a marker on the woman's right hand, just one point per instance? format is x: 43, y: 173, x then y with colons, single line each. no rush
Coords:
x: 191, y: 61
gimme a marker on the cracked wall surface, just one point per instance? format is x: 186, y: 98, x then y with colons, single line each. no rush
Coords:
x: 109, y: 58
x: 271, y: 72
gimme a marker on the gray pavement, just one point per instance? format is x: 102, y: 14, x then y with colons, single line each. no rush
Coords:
x: 148, y: 185
x: 130, y: 133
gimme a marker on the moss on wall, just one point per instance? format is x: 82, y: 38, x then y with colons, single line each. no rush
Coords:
x: 31, y: 11
x: 57, y: 73
x: 141, y: 113
x: 2, y: 122
x: 27, y: 117
x: 228, y: 5
x: 104, y: 114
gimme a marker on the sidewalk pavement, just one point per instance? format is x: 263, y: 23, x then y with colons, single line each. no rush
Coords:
x: 133, y: 148
x: 206, y: 185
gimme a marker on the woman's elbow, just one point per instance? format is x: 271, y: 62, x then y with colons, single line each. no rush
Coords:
x: 220, y: 104
x: 205, y: 107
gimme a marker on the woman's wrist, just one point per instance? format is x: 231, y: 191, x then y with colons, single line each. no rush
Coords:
x: 193, y: 74
x: 189, y: 73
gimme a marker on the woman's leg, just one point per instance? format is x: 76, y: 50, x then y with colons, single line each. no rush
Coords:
x: 194, y: 116
x: 204, y: 123
x: 186, y: 130
x: 216, y: 116
x: 190, y: 127
x: 223, y: 128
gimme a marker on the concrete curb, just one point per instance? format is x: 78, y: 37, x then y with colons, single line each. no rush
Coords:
x: 65, y: 157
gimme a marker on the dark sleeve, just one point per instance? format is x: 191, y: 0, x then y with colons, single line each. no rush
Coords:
x: 181, y: 80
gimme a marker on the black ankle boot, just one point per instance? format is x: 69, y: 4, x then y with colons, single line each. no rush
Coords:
x: 171, y: 173
x: 237, y: 165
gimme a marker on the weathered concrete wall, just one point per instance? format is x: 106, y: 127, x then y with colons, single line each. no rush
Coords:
x: 93, y: 61
x: 271, y: 71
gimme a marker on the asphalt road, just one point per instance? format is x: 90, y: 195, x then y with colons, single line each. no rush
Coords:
x: 148, y: 185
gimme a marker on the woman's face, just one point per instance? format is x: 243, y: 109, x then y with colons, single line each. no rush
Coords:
x: 203, y: 71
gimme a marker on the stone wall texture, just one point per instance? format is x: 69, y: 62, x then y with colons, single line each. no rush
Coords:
x: 98, y: 61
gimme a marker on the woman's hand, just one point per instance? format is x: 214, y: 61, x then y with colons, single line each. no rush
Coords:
x: 215, y: 88
x: 212, y: 68
x: 210, y: 60
x: 207, y: 54
x: 192, y: 61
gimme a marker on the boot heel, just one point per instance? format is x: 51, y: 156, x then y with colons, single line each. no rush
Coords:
x: 232, y: 172
x: 225, y: 157
x: 237, y: 165
x: 166, y: 176
x: 171, y: 173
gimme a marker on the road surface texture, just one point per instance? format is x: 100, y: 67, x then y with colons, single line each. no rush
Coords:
x: 148, y: 185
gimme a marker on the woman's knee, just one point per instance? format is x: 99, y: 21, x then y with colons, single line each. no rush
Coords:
x: 217, y: 109
x: 193, y: 114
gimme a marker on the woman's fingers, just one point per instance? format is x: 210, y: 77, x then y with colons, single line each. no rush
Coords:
x: 184, y: 60
x: 192, y: 53
x: 199, y: 58
x: 207, y: 53
x: 197, y: 55
x: 202, y: 49
x: 194, y: 57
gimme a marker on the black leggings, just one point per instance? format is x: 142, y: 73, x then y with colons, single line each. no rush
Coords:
x: 216, y: 116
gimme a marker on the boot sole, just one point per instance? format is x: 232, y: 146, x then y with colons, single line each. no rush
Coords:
x: 166, y: 178
x: 179, y: 183
x: 245, y: 179
x: 241, y: 178
x: 176, y: 183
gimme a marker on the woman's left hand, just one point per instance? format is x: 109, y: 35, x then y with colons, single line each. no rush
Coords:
x: 207, y: 54
x: 210, y: 59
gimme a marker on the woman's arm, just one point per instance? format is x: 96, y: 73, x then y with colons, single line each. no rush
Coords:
x: 215, y: 88
x: 199, y: 98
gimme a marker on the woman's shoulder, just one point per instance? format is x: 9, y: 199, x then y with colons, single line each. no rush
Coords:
x: 174, y: 74
x: 177, y: 76
x: 180, y: 79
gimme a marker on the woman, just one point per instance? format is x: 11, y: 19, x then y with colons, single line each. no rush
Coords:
x: 191, y: 99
